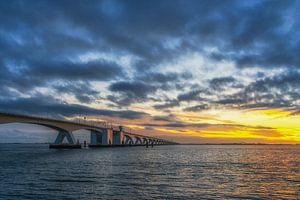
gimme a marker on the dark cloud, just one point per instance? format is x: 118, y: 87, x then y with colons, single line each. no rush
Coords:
x: 47, y: 105
x: 193, y: 95
x: 168, y: 104
x: 134, y: 89
x: 246, y: 32
x: 163, y: 118
x: 285, y: 81
x: 259, y: 32
x: 92, y: 71
x: 177, y: 125
x: 41, y: 43
x: 130, y: 92
x: 196, y: 108
x: 42, y: 74
x: 155, y: 77
x: 278, y: 91
x: 143, y: 86
x: 222, y: 83
x: 167, y: 118
x: 82, y: 91
x: 230, y: 100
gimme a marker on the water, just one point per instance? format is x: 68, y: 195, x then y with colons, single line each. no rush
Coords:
x: 162, y: 172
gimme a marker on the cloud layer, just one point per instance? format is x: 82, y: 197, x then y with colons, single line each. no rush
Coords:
x: 135, y: 59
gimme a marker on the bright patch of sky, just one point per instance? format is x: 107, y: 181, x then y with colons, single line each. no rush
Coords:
x: 124, y: 60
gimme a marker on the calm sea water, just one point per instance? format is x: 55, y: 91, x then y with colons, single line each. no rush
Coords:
x: 162, y: 172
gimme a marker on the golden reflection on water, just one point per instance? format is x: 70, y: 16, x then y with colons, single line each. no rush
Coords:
x: 163, y: 172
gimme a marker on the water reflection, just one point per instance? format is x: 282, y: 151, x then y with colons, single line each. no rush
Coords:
x: 165, y: 172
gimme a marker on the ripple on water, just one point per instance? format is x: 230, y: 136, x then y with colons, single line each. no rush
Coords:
x: 164, y: 172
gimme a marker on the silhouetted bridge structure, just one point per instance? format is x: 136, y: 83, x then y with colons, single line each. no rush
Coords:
x: 100, y: 136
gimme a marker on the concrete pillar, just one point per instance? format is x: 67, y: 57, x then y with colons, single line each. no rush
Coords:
x: 128, y: 140
x: 107, y: 136
x: 118, y: 137
x: 138, y: 140
x: 145, y: 140
x: 151, y: 142
x: 101, y: 137
x: 96, y: 138
x: 62, y: 135
x: 58, y: 143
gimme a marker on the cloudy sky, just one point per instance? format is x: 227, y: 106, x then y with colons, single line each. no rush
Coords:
x: 189, y: 71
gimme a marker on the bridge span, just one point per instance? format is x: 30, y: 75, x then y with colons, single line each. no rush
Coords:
x: 100, y: 136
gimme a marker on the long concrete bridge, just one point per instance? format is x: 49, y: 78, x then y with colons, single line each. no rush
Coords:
x: 100, y: 136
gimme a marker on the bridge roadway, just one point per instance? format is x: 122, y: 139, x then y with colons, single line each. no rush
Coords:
x: 100, y: 136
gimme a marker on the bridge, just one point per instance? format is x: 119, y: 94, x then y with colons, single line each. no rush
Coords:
x: 100, y: 136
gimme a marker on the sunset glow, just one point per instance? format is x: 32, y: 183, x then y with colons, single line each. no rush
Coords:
x: 226, y: 72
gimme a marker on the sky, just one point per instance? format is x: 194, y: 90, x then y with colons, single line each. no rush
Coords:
x: 209, y: 71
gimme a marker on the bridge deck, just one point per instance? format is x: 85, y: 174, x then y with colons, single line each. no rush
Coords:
x: 67, y: 127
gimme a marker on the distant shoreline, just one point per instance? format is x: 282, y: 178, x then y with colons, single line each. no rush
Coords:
x: 235, y: 144
x: 181, y: 144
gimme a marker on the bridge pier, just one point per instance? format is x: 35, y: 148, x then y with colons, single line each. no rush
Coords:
x: 118, y: 138
x: 107, y: 136
x: 101, y: 138
x: 145, y: 141
x: 128, y: 140
x: 138, y: 141
x: 96, y: 138
x: 62, y: 134
x: 151, y: 142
